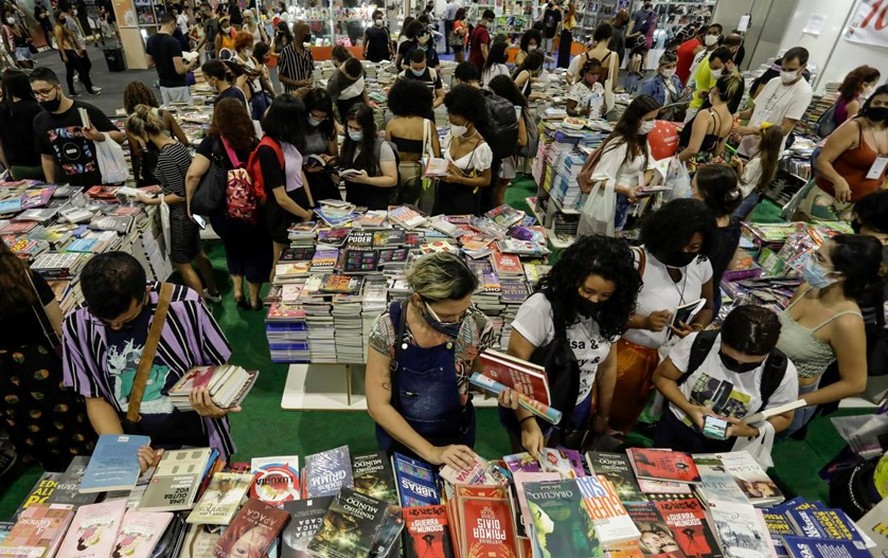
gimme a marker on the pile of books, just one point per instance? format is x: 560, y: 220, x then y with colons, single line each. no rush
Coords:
x: 226, y: 384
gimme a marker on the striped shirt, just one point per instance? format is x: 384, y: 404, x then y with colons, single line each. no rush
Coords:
x: 172, y: 166
x: 295, y: 65
x: 191, y: 337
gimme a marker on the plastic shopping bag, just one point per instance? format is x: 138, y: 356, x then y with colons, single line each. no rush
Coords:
x: 599, y: 211
x: 678, y: 179
x: 112, y: 162
x: 165, y: 223
x: 760, y: 447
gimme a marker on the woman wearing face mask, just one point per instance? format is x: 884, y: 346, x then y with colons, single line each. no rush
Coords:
x: 283, y: 37
x: 17, y: 42
x: 255, y: 82
x: 221, y: 76
x: 743, y: 355
x: 468, y: 156
x: 422, y: 353
x: 625, y: 162
x: 823, y: 322
x: 665, y: 87
x: 859, y: 83
x: 587, y: 298
x: 524, y: 73
x: 377, y: 40
x: 347, y: 87
x: 251, y: 26
x: 705, y: 135
x: 226, y: 35
x: 852, y: 163
x: 372, y: 156
x: 530, y: 41
x: 320, y: 140
x: 675, y: 271
x: 610, y: 61
x: 586, y: 97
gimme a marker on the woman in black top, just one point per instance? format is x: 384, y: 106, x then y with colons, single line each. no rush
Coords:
x: 282, y: 37
x: 716, y: 186
x: 221, y: 76
x: 377, y: 41
x: 410, y: 100
x: 46, y: 423
x: 18, y: 147
x: 372, y: 156
x: 288, y: 195
x: 320, y: 140
x: 144, y: 154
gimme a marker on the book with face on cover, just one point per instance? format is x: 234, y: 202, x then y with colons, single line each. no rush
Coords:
x: 38, y: 531
x: 275, y: 479
x: 252, y: 532
x: 139, y: 533
x: 306, y: 517
x: 200, y: 540
x: 751, y: 478
x: 93, y: 531
x: 715, y: 482
x: 325, y: 473
x: 561, y: 523
x: 221, y: 500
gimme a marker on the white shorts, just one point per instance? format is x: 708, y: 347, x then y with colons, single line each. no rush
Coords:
x: 175, y: 94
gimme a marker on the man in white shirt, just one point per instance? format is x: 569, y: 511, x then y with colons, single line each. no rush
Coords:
x: 782, y: 102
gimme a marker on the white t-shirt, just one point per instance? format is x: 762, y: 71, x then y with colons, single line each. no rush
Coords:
x: 727, y: 393
x: 615, y: 166
x: 776, y: 102
x: 493, y: 71
x: 182, y: 22
x: 588, y: 97
x: 752, y: 173
x: 660, y: 292
x: 534, y: 323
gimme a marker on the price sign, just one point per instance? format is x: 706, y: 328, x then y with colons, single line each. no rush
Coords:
x: 869, y: 25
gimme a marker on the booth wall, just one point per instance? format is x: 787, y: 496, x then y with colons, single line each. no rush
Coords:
x: 766, y: 31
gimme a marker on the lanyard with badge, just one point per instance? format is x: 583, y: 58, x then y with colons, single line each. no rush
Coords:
x: 877, y: 170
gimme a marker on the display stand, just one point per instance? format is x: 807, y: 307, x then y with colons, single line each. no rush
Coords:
x: 131, y: 38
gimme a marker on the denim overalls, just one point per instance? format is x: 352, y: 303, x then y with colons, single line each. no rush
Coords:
x: 425, y: 392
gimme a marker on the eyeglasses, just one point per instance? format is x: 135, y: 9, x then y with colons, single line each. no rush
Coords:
x: 44, y: 93
x: 434, y: 315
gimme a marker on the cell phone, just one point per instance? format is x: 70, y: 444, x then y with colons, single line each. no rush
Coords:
x: 715, y: 428
x: 201, y: 222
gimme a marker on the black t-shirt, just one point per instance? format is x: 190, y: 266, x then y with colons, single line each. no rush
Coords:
x: 211, y: 29
x: 232, y: 92
x: 22, y: 326
x: 17, y: 132
x: 163, y: 48
x: 206, y: 149
x: 551, y: 19
x: 432, y: 82
x: 60, y: 135
x: 377, y: 43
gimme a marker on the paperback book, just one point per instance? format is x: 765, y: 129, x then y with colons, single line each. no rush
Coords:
x: 275, y: 479
x: 612, y: 523
x: 486, y: 522
x: 741, y: 530
x: 176, y: 480
x: 831, y: 524
x: 687, y: 520
x: 802, y: 547
x: 200, y: 540
x: 427, y: 532
x: 256, y: 527
x: 755, y: 483
x: 41, y: 492
x: 38, y: 531
x: 373, y: 476
x: 351, y: 526
x: 615, y: 468
x: 416, y: 481
x: 139, y: 533
x: 657, y: 538
x: 327, y: 472
x: 663, y: 465
x: 68, y: 489
x: 306, y: 517
x: 114, y: 464
x: 561, y: 523
x: 221, y: 500
x: 93, y: 531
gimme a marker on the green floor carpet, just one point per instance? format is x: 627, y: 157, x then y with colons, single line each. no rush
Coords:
x: 263, y: 428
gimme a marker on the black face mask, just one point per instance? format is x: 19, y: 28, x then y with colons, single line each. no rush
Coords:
x: 585, y: 307
x: 51, y: 105
x: 876, y: 114
x: 307, y: 39
x: 735, y: 365
x: 678, y: 259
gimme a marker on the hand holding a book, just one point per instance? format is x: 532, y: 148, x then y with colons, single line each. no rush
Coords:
x: 457, y: 456
x: 683, y: 331
x: 148, y: 457
x: 203, y: 404
x: 740, y: 429
x: 508, y: 398
x: 656, y: 321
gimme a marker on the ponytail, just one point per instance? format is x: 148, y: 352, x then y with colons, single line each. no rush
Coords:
x: 144, y: 121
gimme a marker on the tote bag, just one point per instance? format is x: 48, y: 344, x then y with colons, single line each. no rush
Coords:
x: 209, y: 199
x: 600, y: 210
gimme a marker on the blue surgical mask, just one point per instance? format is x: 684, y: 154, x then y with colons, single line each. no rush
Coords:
x: 816, y: 275
x: 450, y: 329
x: 417, y: 73
x: 355, y: 136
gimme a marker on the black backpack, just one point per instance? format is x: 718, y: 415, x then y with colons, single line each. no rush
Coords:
x: 772, y: 376
x: 826, y: 124
x: 501, y: 131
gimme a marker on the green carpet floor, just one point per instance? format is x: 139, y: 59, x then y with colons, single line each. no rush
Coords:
x: 263, y: 428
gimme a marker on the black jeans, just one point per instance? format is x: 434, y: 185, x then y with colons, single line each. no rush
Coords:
x: 448, y: 27
x: 81, y: 65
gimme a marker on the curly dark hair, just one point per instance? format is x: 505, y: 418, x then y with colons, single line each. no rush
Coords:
x: 468, y: 102
x: 531, y: 35
x: 606, y: 257
x: 232, y: 122
x: 137, y: 93
x: 318, y: 99
x: 409, y: 97
x: 670, y: 229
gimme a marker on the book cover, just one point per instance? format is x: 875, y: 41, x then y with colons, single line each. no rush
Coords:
x: 306, y: 517
x: 326, y: 472
x: 486, y: 522
x: 176, y: 480
x: 520, y: 478
x: 350, y: 527
x: 41, y: 492
x: 427, y: 533
x: 562, y: 525
x: 417, y: 482
x: 275, y: 479
x: 687, y: 520
x: 802, y: 547
x: 114, y: 464
x: 252, y: 532
x: 373, y: 476
x: 653, y: 488
x: 715, y: 482
x: 741, y: 530
x: 875, y: 526
x: 221, y: 500
x: 388, y: 539
x: 778, y: 526
x: 200, y: 540
x: 93, y: 531
x: 5, y: 528
x: 507, y: 264
x: 831, y: 524
x: 41, y: 527
x: 68, y: 489
x: 612, y: 523
x: 569, y: 463
x: 522, y: 376
x: 522, y: 462
x: 751, y: 478
x: 667, y: 465
x: 615, y: 468
x: 656, y: 537
x: 139, y: 533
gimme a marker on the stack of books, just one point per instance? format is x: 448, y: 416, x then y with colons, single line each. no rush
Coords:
x: 227, y: 385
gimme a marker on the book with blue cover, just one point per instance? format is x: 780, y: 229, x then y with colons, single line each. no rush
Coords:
x: 830, y: 524
x: 327, y: 472
x: 804, y: 547
x: 114, y: 464
x: 416, y: 481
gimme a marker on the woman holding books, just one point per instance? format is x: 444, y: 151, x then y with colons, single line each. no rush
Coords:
x: 584, y: 301
x: 730, y: 375
x: 321, y: 145
x: 423, y: 351
x: 676, y: 273
x: 373, y: 159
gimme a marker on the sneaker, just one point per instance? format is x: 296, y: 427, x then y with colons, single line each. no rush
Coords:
x: 96, y: 91
x: 212, y: 297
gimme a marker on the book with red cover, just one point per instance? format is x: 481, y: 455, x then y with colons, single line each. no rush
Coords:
x: 427, y: 533
x: 657, y: 539
x: 522, y: 376
x: 665, y: 465
x: 486, y: 522
x: 256, y: 526
x: 690, y: 529
x: 507, y: 265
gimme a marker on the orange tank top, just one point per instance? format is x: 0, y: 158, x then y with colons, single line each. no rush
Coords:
x: 854, y: 165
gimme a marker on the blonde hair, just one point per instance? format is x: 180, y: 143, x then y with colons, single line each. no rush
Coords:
x: 441, y: 276
x: 144, y: 121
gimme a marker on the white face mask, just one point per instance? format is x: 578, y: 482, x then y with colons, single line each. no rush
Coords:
x: 646, y: 127
x: 10, y: 20
x: 458, y: 131
x: 249, y: 52
x: 789, y: 77
x: 226, y: 30
x: 669, y: 73
x: 377, y: 22
x: 717, y: 73
x: 867, y: 91
x: 710, y: 40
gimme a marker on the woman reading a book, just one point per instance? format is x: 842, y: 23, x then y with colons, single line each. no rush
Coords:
x: 730, y: 375
x: 320, y: 141
x: 584, y: 301
x: 371, y: 168
x: 423, y: 351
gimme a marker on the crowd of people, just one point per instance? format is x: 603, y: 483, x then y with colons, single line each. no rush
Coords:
x: 601, y: 320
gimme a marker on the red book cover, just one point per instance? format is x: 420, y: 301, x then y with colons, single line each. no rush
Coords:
x: 656, y: 539
x: 667, y: 465
x: 687, y: 521
x: 507, y: 264
x: 524, y: 377
x: 427, y: 531
x: 487, y: 527
x: 252, y: 532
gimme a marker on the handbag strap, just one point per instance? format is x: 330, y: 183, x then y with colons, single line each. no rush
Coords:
x: 148, y: 352
x: 43, y: 319
x: 231, y: 154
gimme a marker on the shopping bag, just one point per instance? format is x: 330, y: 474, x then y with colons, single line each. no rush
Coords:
x: 759, y: 448
x: 599, y: 211
x: 165, y: 223
x: 112, y: 162
x: 795, y: 202
x: 678, y: 179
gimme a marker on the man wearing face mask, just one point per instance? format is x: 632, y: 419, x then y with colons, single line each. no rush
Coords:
x: 165, y: 53
x: 60, y: 134
x: 686, y: 52
x: 479, y: 43
x: 729, y: 375
x: 710, y: 70
x: 782, y: 102
x: 711, y: 41
x: 426, y: 45
x: 420, y: 71
x: 665, y: 87
x: 422, y: 353
x: 377, y: 40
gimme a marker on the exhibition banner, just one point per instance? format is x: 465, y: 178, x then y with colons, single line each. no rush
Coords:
x: 869, y: 24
